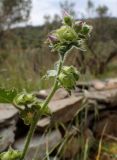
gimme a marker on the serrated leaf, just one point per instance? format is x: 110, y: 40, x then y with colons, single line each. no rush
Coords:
x: 7, y: 96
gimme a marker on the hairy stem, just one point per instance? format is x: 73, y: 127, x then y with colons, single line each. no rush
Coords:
x: 36, y: 116
x: 30, y: 134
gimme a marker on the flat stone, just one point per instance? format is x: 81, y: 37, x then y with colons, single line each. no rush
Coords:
x: 110, y: 121
x: 7, y: 136
x: 66, y: 108
x: 111, y: 83
x: 59, y: 94
x: 84, y: 85
x: 104, y: 97
x: 7, y: 113
x: 43, y: 123
x: 62, y: 111
x: 39, y: 145
x: 98, y: 85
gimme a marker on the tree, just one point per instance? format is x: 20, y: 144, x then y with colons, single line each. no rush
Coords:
x: 12, y: 12
x: 102, y: 11
x: 102, y: 48
x: 90, y: 7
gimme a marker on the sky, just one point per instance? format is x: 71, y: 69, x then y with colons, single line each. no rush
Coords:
x: 52, y: 7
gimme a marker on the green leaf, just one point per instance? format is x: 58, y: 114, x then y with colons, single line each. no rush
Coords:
x: 7, y: 96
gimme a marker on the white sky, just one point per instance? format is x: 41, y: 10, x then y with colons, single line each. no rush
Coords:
x: 51, y: 7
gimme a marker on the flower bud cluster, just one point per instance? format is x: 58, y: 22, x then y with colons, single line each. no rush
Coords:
x: 11, y: 155
x: 71, y: 34
x: 68, y: 77
x: 28, y: 105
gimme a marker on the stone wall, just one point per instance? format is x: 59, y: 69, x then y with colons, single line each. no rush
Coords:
x: 96, y: 98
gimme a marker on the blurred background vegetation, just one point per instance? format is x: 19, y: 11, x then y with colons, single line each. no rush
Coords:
x: 24, y: 57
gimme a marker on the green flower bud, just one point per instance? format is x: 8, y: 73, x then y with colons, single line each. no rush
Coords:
x: 67, y: 19
x: 24, y: 99
x: 78, y: 26
x: 11, y: 155
x: 68, y: 77
x: 72, y: 33
x: 72, y: 70
x: 66, y: 34
x: 86, y: 29
x: 67, y: 81
x: 53, y: 39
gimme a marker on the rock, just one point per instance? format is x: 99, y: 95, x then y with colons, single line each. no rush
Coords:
x: 7, y: 136
x: 39, y: 145
x: 8, y: 119
x: 94, y: 106
x: 71, y: 148
x: 84, y: 85
x: 111, y: 129
x: 111, y: 83
x: 104, y: 97
x: 63, y: 111
x: 59, y: 94
x: 43, y: 123
x: 74, y: 144
x: 42, y: 94
x: 98, y: 85
x: 7, y: 113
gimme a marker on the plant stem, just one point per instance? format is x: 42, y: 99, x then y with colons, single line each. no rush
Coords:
x: 36, y: 116
x: 30, y: 134
x: 54, y: 86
